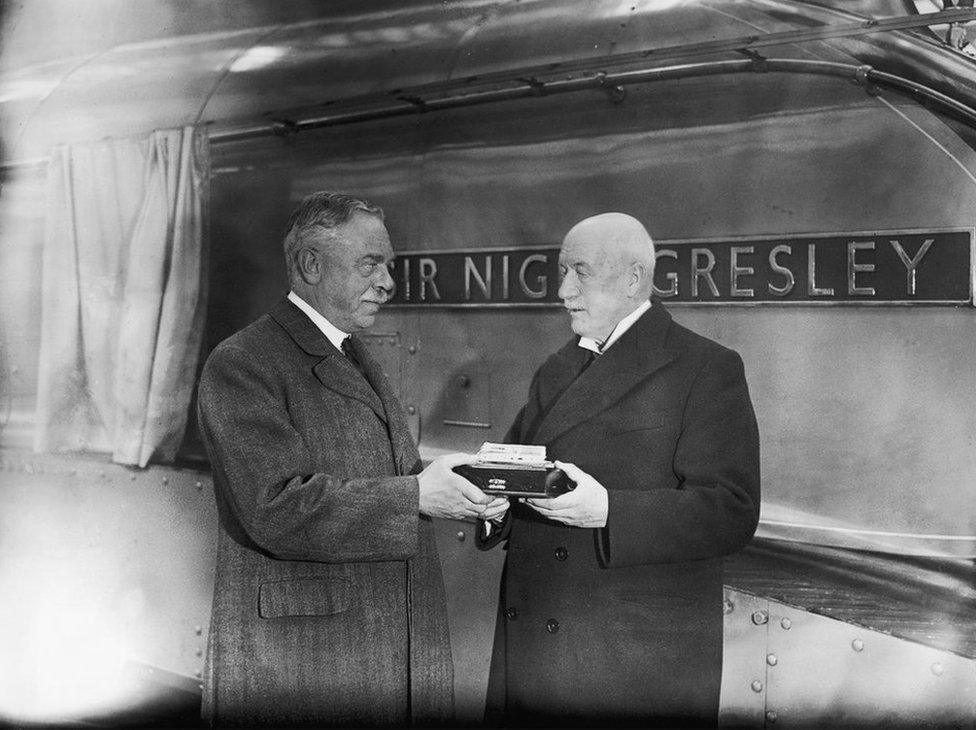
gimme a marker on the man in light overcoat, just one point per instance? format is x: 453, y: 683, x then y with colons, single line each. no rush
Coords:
x: 329, y: 603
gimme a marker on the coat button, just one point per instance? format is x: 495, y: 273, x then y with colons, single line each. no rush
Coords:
x: 552, y: 626
x: 561, y: 553
x: 511, y: 613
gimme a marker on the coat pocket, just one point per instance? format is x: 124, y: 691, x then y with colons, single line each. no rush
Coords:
x: 303, y: 597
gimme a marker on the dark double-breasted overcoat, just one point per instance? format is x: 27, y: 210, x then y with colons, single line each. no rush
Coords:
x: 624, y: 623
x: 329, y: 602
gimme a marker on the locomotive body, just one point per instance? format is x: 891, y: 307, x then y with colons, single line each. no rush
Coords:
x: 808, y: 173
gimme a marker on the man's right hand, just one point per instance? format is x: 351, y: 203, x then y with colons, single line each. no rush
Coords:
x: 446, y: 494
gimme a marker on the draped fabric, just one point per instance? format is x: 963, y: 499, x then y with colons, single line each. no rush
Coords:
x: 123, y: 294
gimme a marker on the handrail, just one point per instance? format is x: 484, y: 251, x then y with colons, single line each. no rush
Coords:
x: 409, y: 103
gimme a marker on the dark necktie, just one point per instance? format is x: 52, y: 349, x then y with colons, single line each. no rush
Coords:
x: 590, y: 357
x: 587, y: 361
x: 349, y: 350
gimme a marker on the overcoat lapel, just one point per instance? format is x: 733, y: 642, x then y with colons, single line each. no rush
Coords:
x: 642, y: 350
x: 404, y: 449
x: 334, y: 370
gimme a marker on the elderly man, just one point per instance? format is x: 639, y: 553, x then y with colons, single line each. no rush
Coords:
x: 329, y: 604
x: 611, y: 598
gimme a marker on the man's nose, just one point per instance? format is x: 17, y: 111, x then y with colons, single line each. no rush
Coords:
x: 567, y: 288
x: 385, y: 280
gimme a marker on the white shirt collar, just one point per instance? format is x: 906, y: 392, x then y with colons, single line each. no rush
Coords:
x: 622, y: 326
x: 335, y: 335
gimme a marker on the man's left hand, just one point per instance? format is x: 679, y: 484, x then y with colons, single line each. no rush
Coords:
x: 585, y: 506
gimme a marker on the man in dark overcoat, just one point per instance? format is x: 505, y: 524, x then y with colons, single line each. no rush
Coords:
x: 329, y: 603
x: 611, y: 597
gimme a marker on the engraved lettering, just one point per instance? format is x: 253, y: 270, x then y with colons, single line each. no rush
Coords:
x: 543, y: 280
x: 483, y: 283
x: 735, y: 271
x: 428, y: 270
x: 853, y: 268
x: 698, y: 272
x: 812, y: 289
x: 672, y: 290
x: 911, y: 263
x: 781, y: 291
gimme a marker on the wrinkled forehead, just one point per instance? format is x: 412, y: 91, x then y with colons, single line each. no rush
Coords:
x: 595, y: 244
x: 364, y: 233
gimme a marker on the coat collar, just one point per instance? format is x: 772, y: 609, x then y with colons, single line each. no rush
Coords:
x: 334, y: 370
x: 571, y: 400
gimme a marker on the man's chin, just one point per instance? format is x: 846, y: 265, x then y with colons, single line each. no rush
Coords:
x: 365, y: 321
x: 577, y: 328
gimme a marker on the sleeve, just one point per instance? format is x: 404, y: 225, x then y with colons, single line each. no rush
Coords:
x: 714, y: 510
x: 265, y: 474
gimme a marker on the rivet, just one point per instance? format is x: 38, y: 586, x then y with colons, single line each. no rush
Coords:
x: 165, y: 480
x: 199, y: 485
x: 937, y: 669
x: 771, y: 660
x: 132, y: 477
x: 198, y: 630
x: 412, y: 349
x: 786, y: 624
x: 728, y: 606
x: 412, y: 410
x: 771, y: 716
x: 757, y: 686
x: 198, y: 673
x: 857, y: 645
x: 759, y: 617
x: 460, y: 535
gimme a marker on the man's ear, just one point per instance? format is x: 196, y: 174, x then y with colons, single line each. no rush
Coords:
x: 637, y: 278
x: 309, y: 265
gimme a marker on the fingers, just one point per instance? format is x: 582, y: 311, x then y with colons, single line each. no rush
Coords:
x: 572, y: 471
x: 471, y: 492
x: 551, y: 504
x: 493, y: 513
x: 452, y: 460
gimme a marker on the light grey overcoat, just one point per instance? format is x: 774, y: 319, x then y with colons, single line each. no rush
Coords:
x: 329, y: 602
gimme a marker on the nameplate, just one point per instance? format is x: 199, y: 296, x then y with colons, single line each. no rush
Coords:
x: 890, y: 267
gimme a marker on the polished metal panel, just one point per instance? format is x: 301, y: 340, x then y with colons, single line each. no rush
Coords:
x: 928, y: 601
x: 833, y: 674
x: 102, y: 567
x: 842, y: 396
x: 743, y: 693
x: 471, y: 580
x: 804, y: 670
x: 273, y: 73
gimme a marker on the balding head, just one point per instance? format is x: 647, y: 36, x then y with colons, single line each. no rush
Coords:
x: 607, y: 265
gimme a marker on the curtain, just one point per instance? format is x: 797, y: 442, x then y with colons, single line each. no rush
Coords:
x: 123, y: 294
